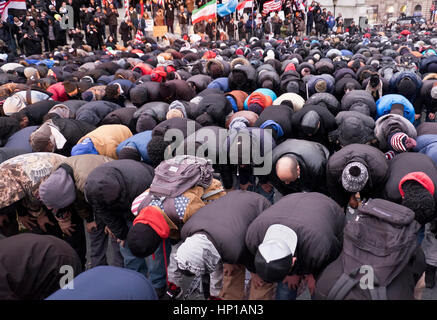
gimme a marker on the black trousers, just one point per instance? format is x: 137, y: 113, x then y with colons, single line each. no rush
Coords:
x: 113, y: 32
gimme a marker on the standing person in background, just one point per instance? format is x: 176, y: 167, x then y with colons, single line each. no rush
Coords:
x: 318, y: 19
x: 183, y: 20
x: 277, y: 23
x: 125, y: 30
x: 300, y: 25
x: 209, y: 29
x: 310, y: 18
x: 241, y: 29
x: 330, y: 21
x: 112, y: 16
x: 324, y: 21
x: 169, y: 15
x: 250, y: 26
x: 190, y: 8
x: 230, y: 28
x: 102, y: 21
x: 133, y: 18
x: 340, y: 25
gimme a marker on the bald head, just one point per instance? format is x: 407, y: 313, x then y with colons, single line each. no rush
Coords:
x: 287, y: 169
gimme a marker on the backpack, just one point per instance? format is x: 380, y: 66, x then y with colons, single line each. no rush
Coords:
x: 382, y: 236
x: 180, y: 187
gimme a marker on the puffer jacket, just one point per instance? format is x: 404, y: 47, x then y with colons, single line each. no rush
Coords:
x: 344, y: 83
x: 312, y: 158
x: 268, y: 75
x: 176, y: 90
x: 145, y: 92
x: 427, y: 144
x: 372, y: 158
x: 139, y: 142
x: 112, y: 187
x: 319, y: 230
x: 106, y: 138
x: 242, y: 78
x: 58, y: 92
x: 384, y: 104
x: 199, y: 82
x: 220, y: 83
x: 353, y: 127
x: 229, y: 240
x: 94, y: 112
x: 36, y: 111
x: 359, y: 100
x: 392, y: 123
x: 277, y: 118
x: 424, y: 100
x: 394, y: 81
x: 426, y: 63
x: 291, y: 82
x: 124, y: 116
x: 157, y: 110
x: 325, y: 99
x: 212, y: 110
x: 8, y: 126
x: 312, y: 80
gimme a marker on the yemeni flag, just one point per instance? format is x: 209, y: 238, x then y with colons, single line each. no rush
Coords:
x: 205, y: 12
x: 245, y: 4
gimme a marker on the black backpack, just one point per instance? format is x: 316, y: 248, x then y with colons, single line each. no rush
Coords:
x: 382, y: 236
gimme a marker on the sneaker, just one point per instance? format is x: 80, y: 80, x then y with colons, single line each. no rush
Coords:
x: 160, y: 292
x: 173, y: 292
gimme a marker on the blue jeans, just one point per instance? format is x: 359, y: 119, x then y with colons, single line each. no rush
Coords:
x: 284, y: 293
x: 421, y: 235
x: 153, y: 267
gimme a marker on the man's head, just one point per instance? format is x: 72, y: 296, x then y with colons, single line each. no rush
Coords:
x: 274, y: 258
x: 354, y: 177
x: 71, y: 88
x: 310, y: 123
x: 287, y: 169
x: 320, y: 86
x: 417, y: 191
x: 42, y: 140
x: 197, y: 255
x: 147, y: 232
x: 59, y: 190
x: 112, y: 91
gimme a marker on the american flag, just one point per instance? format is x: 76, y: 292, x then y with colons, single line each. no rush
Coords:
x: 10, y: 4
x: 139, y: 36
x: 273, y: 5
x: 161, y: 3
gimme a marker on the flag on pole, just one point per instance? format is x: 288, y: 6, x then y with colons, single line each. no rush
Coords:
x: 11, y: 4
x: 205, y: 12
x: 161, y: 3
x: 245, y: 4
x: 142, y: 8
x: 227, y: 8
x: 126, y: 7
x: 273, y: 5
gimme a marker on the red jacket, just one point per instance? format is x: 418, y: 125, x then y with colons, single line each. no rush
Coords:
x: 58, y: 91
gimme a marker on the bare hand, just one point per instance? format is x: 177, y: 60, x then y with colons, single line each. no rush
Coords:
x: 121, y: 242
x: 91, y: 227
x: 42, y: 220
x: 267, y: 187
x: 109, y: 232
x: 257, y: 281
x: 417, y: 116
x: 27, y: 221
x: 431, y: 116
x: 292, y: 281
x: 228, y: 269
x: 66, y: 227
x: 311, y: 282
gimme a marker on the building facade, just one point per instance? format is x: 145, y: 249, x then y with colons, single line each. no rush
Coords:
x: 388, y: 10
x: 349, y: 9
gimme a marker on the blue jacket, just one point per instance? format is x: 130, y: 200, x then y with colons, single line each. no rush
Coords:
x: 383, y: 106
x: 427, y: 144
x: 20, y: 139
x: 331, y: 22
x: 220, y: 83
x: 264, y: 91
x: 108, y: 283
x: 126, y: 85
x: 139, y: 142
x: 394, y: 81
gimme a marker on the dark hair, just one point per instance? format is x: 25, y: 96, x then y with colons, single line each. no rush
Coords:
x: 156, y: 149
x: 419, y: 200
x: 111, y: 91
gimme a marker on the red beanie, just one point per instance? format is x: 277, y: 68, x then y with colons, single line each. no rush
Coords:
x: 419, y: 177
x: 290, y: 66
